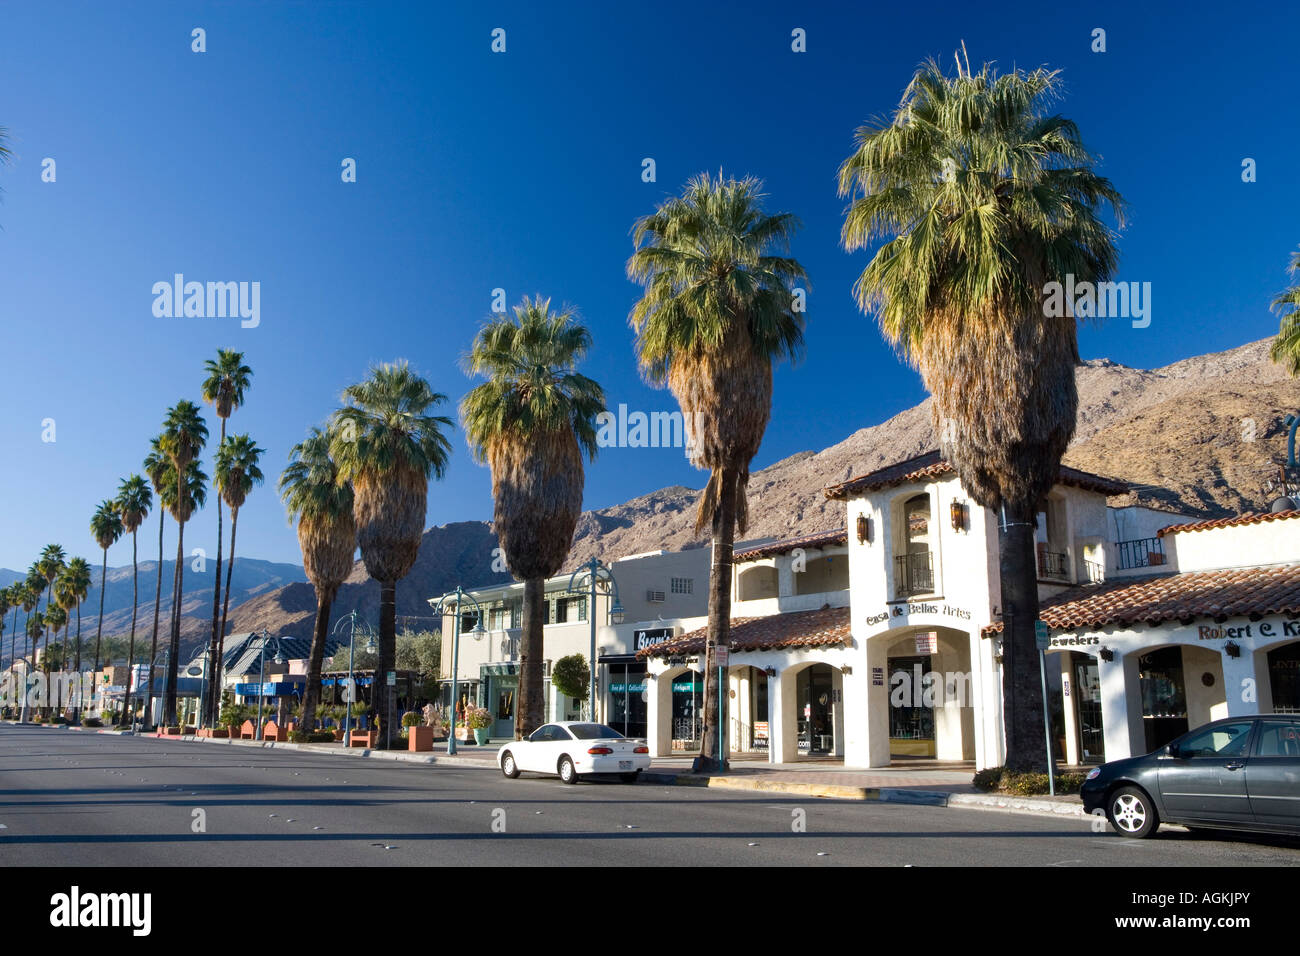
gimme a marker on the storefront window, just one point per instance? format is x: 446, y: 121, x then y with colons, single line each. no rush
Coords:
x: 1284, y: 677
x: 911, y: 721
x: 626, y: 696
x: 688, y: 691
x: 816, y: 722
x: 1164, y: 700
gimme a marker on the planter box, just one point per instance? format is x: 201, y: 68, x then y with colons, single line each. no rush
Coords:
x: 214, y: 732
x: 419, y: 739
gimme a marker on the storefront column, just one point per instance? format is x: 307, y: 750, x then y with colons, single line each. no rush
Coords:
x: 782, y: 739
x: 866, y: 707
x: 1121, y: 707
x: 1242, y: 680
x: 659, y: 715
x: 1070, y: 705
x: 987, y: 700
x: 837, y: 711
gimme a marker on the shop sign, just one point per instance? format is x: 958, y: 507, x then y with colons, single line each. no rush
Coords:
x: 877, y: 677
x: 687, y: 687
x: 649, y: 637
x: 720, y: 655
x: 927, y: 642
x: 1267, y: 629
x: 625, y: 688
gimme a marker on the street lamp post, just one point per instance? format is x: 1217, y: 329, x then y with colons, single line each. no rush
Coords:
x: 370, y: 648
x: 279, y: 658
x: 164, y: 655
x: 595, y: 570
x: 440, y: 606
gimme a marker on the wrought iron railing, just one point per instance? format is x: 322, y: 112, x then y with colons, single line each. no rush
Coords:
x: 913, y: 574
x: 1052, y: 564
x: 1094, y: 571
x: 1139, y: 553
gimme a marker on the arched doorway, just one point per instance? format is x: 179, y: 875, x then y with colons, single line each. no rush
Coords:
x: 747, y: 711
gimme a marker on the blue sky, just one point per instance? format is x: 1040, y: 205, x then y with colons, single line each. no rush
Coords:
x: 522, y: 170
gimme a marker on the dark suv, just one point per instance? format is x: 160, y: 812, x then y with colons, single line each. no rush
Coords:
x: 1237, y: 773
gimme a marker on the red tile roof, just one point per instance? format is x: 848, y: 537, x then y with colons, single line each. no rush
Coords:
x: 1250, y: 517
x: 820, y: 539
x: 1183, y: 597
x: 822, y: 627
x: 932, y: 465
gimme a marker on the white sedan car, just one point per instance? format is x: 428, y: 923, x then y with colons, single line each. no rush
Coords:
x: 573, y: 748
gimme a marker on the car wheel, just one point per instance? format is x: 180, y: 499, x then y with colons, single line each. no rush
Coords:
x: 630, y: 777
x: 508, y: 765
x: 1131, y: 813
x: 568, y: 772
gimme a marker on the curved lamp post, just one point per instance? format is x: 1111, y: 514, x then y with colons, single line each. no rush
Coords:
x: 265, y: 640
x: 370, y: 647
x: 595, y: 571
x: 441, y: 606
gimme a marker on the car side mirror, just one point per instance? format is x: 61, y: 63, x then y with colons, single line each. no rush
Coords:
x: 1173, y: 751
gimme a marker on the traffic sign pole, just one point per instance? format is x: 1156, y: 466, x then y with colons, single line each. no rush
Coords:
x: 1043, y: 638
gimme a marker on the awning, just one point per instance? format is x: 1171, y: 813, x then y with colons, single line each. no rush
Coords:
x: 269, y: 689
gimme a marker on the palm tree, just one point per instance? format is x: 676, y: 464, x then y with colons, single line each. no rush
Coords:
x: 134, y: 500
x: 56, y: 617
x: 105, y: 528
x: 1286, y: 347
x: 985, y: 200
x: 388, y: 447
x: 36, y: 584
x: 78, y: 581
x: 530, y: 422
x: 327, y: 535
x: 237, y: 473
x: 158, y: 467
x: 227, y: 379
x: 183, y: 437
x: 52, y: 561
x: 35, y: 627
x: 719, y: 309
x: 6, y: 602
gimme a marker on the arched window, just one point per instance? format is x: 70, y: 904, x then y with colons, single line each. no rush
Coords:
x: 913, y: 551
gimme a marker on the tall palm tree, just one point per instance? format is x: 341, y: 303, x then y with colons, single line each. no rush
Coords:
x: 56, y: 617
x: 388, y: 447
x: 52, y: 561
x: 26, y: 598
x: 223, y: 388
x: 6, y: 602
x: 36, y: 584
x: 134, y: 499
x: 984, y: 199
x: 327, y: 535
x: 530, y: 422
x: 719, y: 309
x: 237, y: 473
x: 1286, y: 347
x: 35, y: 627
x: 183, y: 437
x: 105, y: 528
x: 78, y: 578
x: 158, y: 467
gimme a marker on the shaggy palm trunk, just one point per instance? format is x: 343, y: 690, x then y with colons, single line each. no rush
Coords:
x: 528, y: 707
x: 135, y: 601
x: 380, y: 694
x: 311, y: 696
x: 225, y: 607
x: 169, y: 683
x: 211, y: 715
x: 1021, y: 681
x: 157, y: 602
x: 76, y: 710
x: 719, y: 636
x: 99, y: 628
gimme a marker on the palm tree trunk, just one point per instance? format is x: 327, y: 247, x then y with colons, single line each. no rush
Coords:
x: 380, y: 696
x: 1021, y: 683
x: 719, y: 635
x: 225, y: 607
x: 528, y: 704
x: 216, y: 602
x: 169, y: 705
x: 311, y: 696
x: 76, y: 711
x: 157, y: 601
x: 135, y: 601
x: 99, y: 628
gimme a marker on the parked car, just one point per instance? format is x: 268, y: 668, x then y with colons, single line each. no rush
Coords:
x: 1236, y: 773
x: 573, y: 748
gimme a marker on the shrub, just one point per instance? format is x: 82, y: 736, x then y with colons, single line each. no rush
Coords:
x: 411, y: 719
x: 1001, y: 780
x: 478, y: 718
x: 91, y: 722
x: 571, y: 676
x: 299, y: 736
x: 59, y: 720
x: 320, y: 737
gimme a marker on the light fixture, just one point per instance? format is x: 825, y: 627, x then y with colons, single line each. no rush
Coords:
x: 1232, y: 649
x: 771, y: 671
x: 958, y: 512
x: 846, y: 669
x: 1106, y: 654
x: 864, y: 529
x: 617, y: 612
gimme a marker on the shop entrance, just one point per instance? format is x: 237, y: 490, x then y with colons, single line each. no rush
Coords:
x: 688, y: 719
x: 815, y: 696
x: 626, y: 709
x: 1284, y: 678
x: 1164, y: 696
x: 501, y: 702
x: 1087, y: 695
x: 911, y: 717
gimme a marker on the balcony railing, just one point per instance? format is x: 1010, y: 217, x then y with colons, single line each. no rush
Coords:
x: 1094, y: 572
x: 913, y: 574
x: 1053, y: 564
x: 1140, y: 553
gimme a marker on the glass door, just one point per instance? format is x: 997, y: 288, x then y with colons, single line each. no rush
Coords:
x: 1087, y: 692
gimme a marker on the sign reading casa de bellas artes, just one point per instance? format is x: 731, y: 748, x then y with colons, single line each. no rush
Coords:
x: 905, y: 610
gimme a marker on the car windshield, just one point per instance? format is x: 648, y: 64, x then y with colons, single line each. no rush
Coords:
x: 593, y: 732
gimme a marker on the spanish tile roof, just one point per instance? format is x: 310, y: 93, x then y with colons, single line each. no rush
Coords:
x: 1233, y: 592
x: 820, y: 539
x: 824, y: 626
x: 1250, y: 517
x: 932, y: 465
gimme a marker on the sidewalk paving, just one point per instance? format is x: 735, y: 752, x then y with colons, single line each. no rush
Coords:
x: 913, y: 782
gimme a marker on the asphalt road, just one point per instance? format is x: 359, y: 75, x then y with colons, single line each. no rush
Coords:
x: 79, y: 799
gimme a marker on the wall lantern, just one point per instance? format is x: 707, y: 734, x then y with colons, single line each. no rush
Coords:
x: 846, y: 669
x: 1232, y: 649
x: 864, y: 529
x: 958, y: 512
x: 1106, y: 654
x: 770, y: 671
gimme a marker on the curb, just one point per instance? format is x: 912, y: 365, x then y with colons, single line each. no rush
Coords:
x: 989, y: 801
x: 329, y: 751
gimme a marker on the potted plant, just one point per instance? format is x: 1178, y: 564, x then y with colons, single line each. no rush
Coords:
x: 479, y: 720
